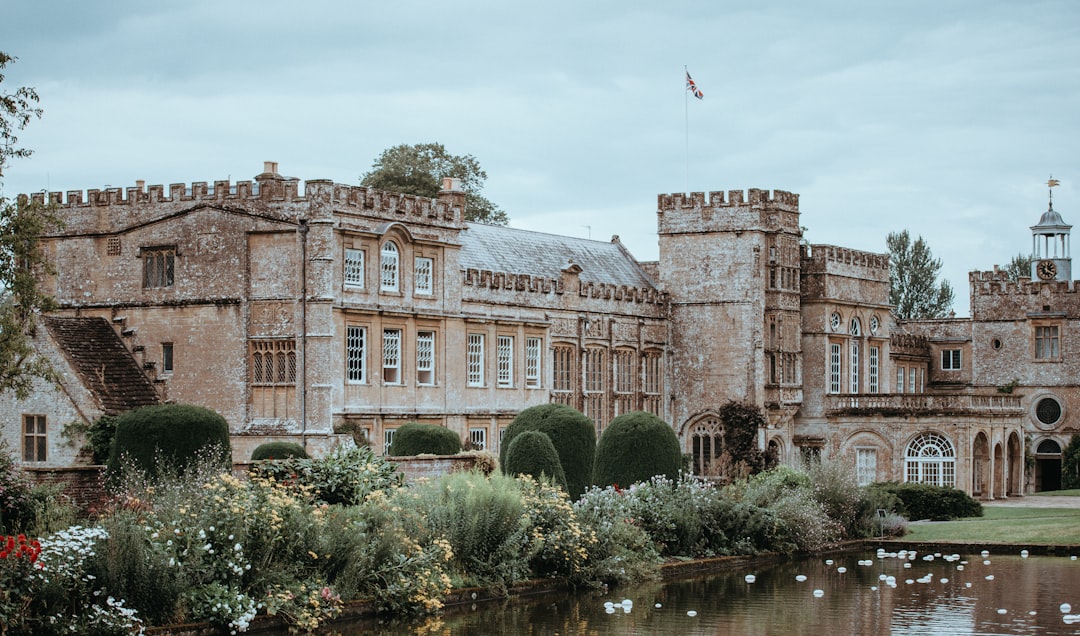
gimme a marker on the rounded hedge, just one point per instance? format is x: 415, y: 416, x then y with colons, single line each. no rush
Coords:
x: 532, y: 453
x: 278, y: 450
x: 417, y: 439
x: 572, y: 434
x: 168, y: 437
x: 635, y: 447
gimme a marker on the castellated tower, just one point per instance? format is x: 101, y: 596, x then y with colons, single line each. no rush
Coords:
x: 730, y: 267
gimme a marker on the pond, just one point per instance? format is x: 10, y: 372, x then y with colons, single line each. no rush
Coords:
x: 858, y: 593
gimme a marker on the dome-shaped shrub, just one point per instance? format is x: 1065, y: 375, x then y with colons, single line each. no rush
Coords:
x: 278, y: 450
x: 532, y: 453
x: 168, y: 436
x: 417, y: 439
x: 635, y: 447
x: 572, y: 434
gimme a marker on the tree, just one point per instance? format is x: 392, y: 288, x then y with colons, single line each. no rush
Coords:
x: 914, y: 289
x: 1019, y: 267
x: 419, y: 168
x: 21, y: 257
x: 634, y: 448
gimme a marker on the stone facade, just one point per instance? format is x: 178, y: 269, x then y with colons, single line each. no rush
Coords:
x: 340, y: 311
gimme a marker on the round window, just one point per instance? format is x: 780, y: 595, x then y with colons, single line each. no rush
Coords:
x: 1048, y: 410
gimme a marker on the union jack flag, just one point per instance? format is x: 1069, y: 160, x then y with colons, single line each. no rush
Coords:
x: 692, y: 87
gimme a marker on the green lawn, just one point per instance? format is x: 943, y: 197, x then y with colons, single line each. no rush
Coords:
x: 1050, y: 526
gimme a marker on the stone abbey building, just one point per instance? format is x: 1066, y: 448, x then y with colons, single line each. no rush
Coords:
x: 341, y: 311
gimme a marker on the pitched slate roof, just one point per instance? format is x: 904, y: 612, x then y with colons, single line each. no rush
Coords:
x: 514, y: 251
x: 104, y: 365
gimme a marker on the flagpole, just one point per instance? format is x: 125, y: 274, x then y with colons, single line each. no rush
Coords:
x: 686, y: 120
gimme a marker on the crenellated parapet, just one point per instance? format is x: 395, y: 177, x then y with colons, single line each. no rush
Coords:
x: 103, y: 210
x: 995, y: 297
x: 904, y: 344
x: 998, y: 282
x: 393, y: 206
x: 817, y: 258
x: 504, y: 281
x: 738, y: 211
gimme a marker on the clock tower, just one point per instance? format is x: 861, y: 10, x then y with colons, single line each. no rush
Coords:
x: 1050, y: 245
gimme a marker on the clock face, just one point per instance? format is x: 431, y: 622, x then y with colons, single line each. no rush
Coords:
x: 1046, y: 269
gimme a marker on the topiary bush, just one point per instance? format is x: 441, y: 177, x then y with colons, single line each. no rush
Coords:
x: 417, y: 439
x: 532, y: 453
x: 572, y: 434
x: 936, y: 503
x: 167, y: 437
x: 635, y: 447
x: 278, y: 450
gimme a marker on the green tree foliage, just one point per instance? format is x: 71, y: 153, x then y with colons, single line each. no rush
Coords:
x: 573, y: 435
x: 635, y: 447
x: 278, y: 450
x: 168, y: 437
x: 1070, y: 464
x: 532, y: 453
x: 740, y: 456
x: 21, y: 257
x: 418, y: 439
x: 1019, y: 267
x: 419, y: 168
x: 914, y: 289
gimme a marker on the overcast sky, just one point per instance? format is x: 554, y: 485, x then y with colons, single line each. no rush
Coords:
x: 944, y: 118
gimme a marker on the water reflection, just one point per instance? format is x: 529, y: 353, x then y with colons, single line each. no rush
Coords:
x: 999, y: 594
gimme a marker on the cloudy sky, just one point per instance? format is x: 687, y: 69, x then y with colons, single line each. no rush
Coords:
x: 942, y: 117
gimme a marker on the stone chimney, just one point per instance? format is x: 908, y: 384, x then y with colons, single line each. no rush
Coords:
x: 452, y: 194
x: 269, y: 173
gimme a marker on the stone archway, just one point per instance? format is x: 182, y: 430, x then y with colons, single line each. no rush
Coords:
x: 999, y: 471
x: 980, y: 467
x: 1047, y: 466
x: 776, y: 449
x: 1015, y: 467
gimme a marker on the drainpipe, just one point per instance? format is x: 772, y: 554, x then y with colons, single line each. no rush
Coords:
x: 303, y: 230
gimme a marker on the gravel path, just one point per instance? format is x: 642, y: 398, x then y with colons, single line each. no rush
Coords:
x: 1032, y: 501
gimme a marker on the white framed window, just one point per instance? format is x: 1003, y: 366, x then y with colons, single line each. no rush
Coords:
x: 392, y: 356
x: 834, y: 367
x: 388, y: 267
x: 425, y: 357
x: 504, y: 356
x: 478, y: 438
x: 950, y: 359
x: 424, y: 269
x: 1047, y: 342
x: 856, y: 327
x: 899, y: 379
x: 533, y: 348
x: 875, y: 363
x: 355, y: 354
x: 475, y: 360
x: 854, y: 385
x: 912, y: 373
x: 354, y: 268
x: 159, y: 267
x: 35, y: 439
x: 866, y: 465
x: 388, y: 439
x: 930, y: 459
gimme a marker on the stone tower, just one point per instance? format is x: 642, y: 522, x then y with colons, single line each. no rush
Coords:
x: 730, y: 268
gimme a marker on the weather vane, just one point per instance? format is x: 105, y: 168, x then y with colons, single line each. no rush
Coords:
x: 1052, y: 183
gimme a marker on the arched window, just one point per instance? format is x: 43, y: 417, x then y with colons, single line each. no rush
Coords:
x: 707, y: 441
x: 930, y: 459
x: 388, y: 267
x: 856, y: 327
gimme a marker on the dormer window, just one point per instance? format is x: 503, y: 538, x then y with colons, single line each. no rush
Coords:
x: 389, y: 267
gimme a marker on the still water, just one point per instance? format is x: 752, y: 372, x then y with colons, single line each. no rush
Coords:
x: 848, y: 594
